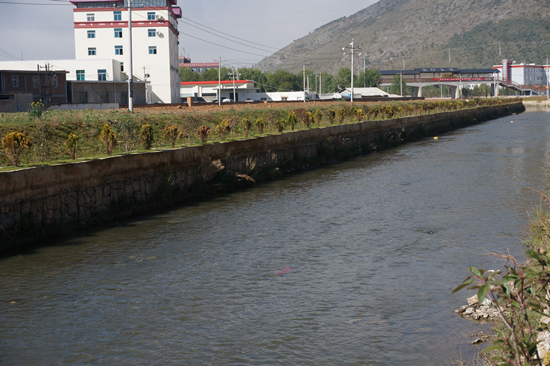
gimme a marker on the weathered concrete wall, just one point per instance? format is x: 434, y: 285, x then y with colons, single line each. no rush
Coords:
x: 78, y: 194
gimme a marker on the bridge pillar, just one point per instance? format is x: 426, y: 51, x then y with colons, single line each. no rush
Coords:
x: 417, y: 91
x: 454, y: 91
x: 458, y: 94
x: 494, y: 90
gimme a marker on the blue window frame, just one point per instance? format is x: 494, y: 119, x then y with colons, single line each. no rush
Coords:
x: 91, y: 34
x: 91, y: 51
x: 118, y: 50
x: 101, y: 75
x: 122, y: 67
x: 80, y: 75
x: 152, y: 32
x: 117, y: 15
x: 118, y: 32
x: 152, y: 50
x: 151, y: 15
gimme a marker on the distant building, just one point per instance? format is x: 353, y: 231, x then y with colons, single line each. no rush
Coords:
x: 20, y: 88
x: 200, y: 67
x: 245, y: 91
x: 101, y: 31
x: 523, y: 74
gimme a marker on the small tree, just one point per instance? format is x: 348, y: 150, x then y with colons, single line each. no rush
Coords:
x: 108, y: 137
x: 72, y: 144
x: 302, y: 116
x: 331, y: 115
x: 222, y: 129
x: 280, y: 124
x: 129, y: 131
x: 359, y: 115
x: 318, y: 117
x: 13, y: 144
x: 170, y: 134
x: 260, y: 125
x: 310, y: 119
x: 340, y: 115
x: 232, y: 121
x: 246, y: 124
x: 203, y: 133
x: 190, y: 123
x: 146, y: 136
x: 292, y: 120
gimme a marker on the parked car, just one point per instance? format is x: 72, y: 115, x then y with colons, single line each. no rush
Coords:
x: 227, y: 101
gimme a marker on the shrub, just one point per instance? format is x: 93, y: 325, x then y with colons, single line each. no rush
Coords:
x: 318, y: 117
x: 260, y: 125
x: 310, y: 119
x: 44, y: 139
x: 331, y: 115
x: 129, y: 131
x: 36, y: 109
x: 72, y: 144
x: 302, y: 116
x: 280, y: 124
x: 340, y: 115
x: 108, y: 137
x: 359, y: 114
x: 292, y: 120
x: 170, y: 134
x: 203, y: 133
x: 222, y: 129
x: 146, y: 136
x: 272, y: 117
x: 13, y: 144
x: 246, y: 124
x: 190, y: 124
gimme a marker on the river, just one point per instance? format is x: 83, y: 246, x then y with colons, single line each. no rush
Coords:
x: 367, y: 284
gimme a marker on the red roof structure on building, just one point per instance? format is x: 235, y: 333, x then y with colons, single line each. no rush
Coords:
x: 224, y: 82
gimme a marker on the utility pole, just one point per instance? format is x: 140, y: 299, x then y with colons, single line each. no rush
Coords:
x: 449, y: 55
x: 131, y: 77
x: 353, y: 50
x: 304, y: 74
x: 547, y: 82
x: 499, y: 50
x: 364, y: 71
x: 321, y: 83
x: 219, y: 81
x: 232, y: 74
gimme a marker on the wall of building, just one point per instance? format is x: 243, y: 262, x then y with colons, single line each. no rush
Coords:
x: 161, y: 67
x: 15, y: 102
x: 105, y: 92
x: 38, y: 200
x: 48, y: 88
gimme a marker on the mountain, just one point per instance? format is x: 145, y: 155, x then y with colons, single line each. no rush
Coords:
x: 421, y: 33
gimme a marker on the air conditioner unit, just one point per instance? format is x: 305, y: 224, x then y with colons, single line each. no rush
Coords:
x: 159, y: 34
x: 160, y: 17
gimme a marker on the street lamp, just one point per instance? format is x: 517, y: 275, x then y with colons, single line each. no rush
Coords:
x: 353, y: 50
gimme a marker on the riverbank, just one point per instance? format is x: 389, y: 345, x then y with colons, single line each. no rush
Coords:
x: 45, y: 201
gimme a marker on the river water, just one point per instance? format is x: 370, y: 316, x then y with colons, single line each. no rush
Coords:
x: 367, y: 283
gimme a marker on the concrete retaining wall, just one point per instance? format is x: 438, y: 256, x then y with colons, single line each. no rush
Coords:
x: 81, y: 194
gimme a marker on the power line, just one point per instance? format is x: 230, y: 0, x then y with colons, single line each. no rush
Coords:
x: 19, y: 3
x: 219, y: 45
x: 202, y: 25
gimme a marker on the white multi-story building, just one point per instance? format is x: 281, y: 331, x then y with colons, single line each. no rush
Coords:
x: 523, y: 74
x: 101, y: 32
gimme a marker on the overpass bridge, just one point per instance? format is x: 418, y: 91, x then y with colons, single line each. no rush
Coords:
x: 454, y: 78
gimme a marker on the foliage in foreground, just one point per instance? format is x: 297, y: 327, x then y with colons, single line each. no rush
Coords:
x: 521, y: 295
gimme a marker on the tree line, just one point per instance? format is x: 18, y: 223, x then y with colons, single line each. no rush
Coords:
x: 282, y: 80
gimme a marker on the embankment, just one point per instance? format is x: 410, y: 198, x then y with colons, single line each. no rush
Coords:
x: 39, y: 202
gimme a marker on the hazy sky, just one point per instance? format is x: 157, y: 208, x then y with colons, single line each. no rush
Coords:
x: 43, y: 29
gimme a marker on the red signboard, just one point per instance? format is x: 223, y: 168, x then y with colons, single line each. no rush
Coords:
x: 462, y: 79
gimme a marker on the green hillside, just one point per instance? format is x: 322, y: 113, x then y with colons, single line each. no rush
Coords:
x: 421, y: 33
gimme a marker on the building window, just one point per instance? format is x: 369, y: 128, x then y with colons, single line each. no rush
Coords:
x: 151, y: 15
x: 122, y: 67
x: 54, y: 81
x: 15, y: 81
x: 36, y: 81
x: 117, y: 15
x: 90, y: 17
x: 152, y: 32
x: 118, y: 32
x: 91, y: 34
x: 91, y: 51
x: 80, y: 76
x: 104, y: 97
x: 118, y: 50
x: 102, y: 75
x: 152, y: 50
